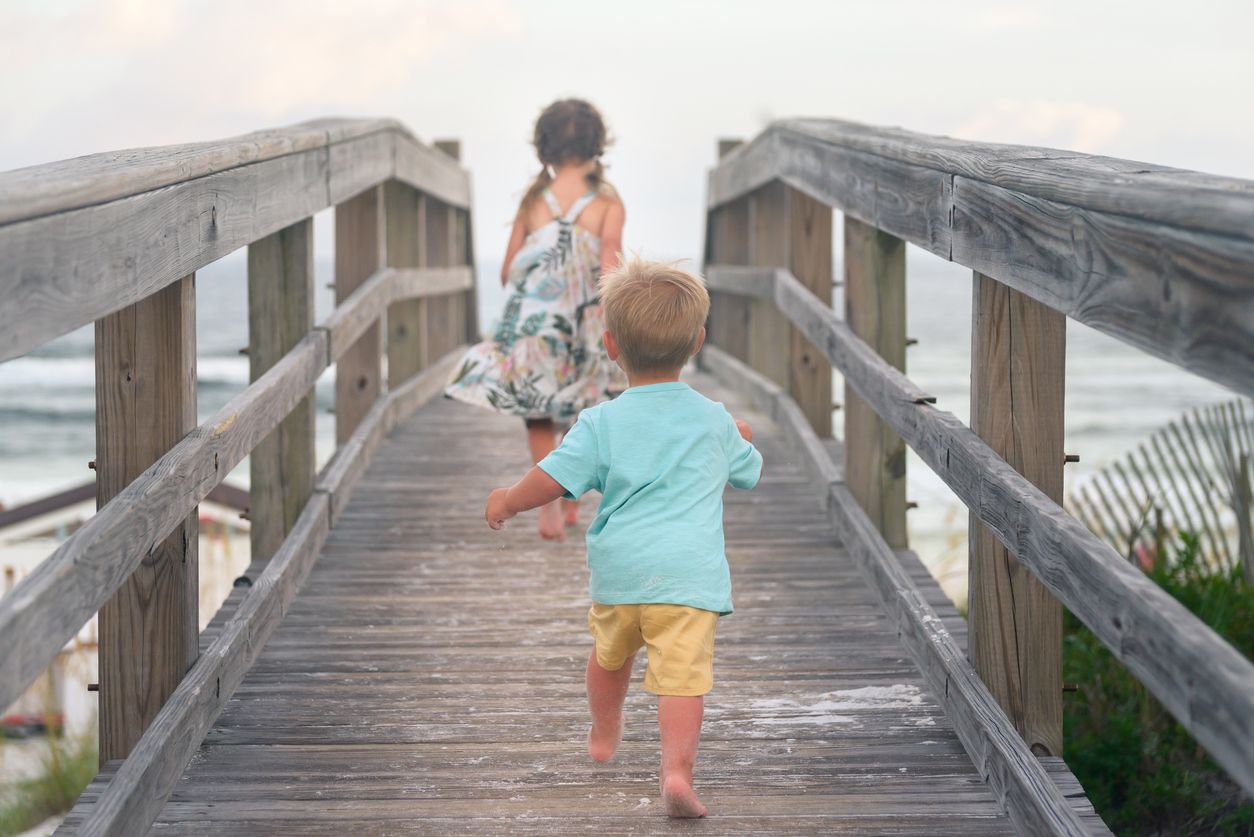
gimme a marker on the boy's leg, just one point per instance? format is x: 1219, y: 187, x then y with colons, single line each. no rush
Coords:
x: 679, y: 719
x: 606, y: 692
x: 542, y: 439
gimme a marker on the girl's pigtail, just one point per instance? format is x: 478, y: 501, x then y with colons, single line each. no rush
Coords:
x: 535, y: 190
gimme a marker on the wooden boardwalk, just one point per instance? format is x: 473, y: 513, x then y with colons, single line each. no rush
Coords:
x: 429, y: 678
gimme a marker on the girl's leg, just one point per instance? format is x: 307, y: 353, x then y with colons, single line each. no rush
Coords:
x: 606, y: 692
x: 679, y: 719
x: 542, y: 438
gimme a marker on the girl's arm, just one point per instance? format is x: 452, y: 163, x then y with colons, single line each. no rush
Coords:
x: 532, y: 491
x: 516, y: 236
x: 612, y: 236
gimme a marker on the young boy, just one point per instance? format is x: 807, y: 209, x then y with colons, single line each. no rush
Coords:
x: 660, y: 454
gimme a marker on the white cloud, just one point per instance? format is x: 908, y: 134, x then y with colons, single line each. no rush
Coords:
x: 229, y: 60
x: 1071, y: 125
x: 1004, y: 17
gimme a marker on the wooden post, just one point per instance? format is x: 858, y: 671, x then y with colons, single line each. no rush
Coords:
x: 792, y: 231
x: 768, y: 331
x: 280, y: 314
x: 875, y: 308
x: 145, y: 403
x: 810, y: 260
x: 463, y: 308
x: 727, y: 242
x: 359, y: 252
x: 446, y: 317
x: 406, y: 210
x: 1018, y: 357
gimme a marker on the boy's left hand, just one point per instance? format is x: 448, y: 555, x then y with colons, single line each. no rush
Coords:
x: 498, y: 511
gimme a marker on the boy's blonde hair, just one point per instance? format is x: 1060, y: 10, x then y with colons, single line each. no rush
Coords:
x: 655, y: 311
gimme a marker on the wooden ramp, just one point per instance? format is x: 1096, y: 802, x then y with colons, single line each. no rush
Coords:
x: 429, y: 678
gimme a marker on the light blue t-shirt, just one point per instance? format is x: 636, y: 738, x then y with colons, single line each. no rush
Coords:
x: 660, y: 455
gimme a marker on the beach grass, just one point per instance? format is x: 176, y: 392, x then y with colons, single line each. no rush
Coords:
x: 69, y: 764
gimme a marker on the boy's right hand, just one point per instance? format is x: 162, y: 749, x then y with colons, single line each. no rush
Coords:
x: 498, y: 511
x: 746, y: 432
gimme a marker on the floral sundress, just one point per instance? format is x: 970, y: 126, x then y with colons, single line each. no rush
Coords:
x: 545, y: 357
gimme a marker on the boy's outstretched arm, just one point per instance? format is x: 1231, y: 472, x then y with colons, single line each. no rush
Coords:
x: 532, y: 491
x: 746, y: 432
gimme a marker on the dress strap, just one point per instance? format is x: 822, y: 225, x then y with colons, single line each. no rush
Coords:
x: 551, y: 200
x: 578, y: 206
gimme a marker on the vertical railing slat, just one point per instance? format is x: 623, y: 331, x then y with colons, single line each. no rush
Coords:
x: 875, y: 308
x: 145, y: 403
x: 359, y: 252
x: 1018, y: 352
x: 280, y: 314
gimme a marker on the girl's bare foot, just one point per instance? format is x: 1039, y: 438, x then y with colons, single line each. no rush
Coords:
x: 572, y: 512
x: 602, y: 744
x: 680, y: 799
x: 551, y: 526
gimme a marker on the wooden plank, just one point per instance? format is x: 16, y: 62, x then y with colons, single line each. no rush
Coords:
x: 359, y: 252
x: 438, y: 325
x: 83, y: 238
x: 1108, y: 242
x: 60, y: 271
x: 1018, y: 357
x: 875, y: 309
x: 280, y: 314
x: 49, y: 605
x: 350, y: 320
x: 769, y: 334
x: 143, y: 783
x: 146, y: 403
x: 431, y: 172
x: 406, y: 221
x: 1033, y: 802
x: 810, y: 261
x: 1201, y: 679
x: 727, y: 239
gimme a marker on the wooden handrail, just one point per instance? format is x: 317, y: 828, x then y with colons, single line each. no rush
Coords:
x: 140, y: 788
x: 1032, y: 801
x: 1201, y: 679
x: 50, y: 604
x: 83, y: 238
x: 1156, y: 257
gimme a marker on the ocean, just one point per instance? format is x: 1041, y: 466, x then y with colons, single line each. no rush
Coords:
x: 1115, y: 395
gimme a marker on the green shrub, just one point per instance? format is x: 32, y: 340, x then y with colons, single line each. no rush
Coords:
x: 69, y: 765
x: 1143, y: 772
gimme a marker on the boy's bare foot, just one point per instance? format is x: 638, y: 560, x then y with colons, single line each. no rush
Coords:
x: 602, y: 744
x: 551, y: 526
x: 680, y: 799
x: 571, y: 507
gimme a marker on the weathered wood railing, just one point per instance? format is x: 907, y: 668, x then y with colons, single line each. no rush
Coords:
x: 116, y: 239
x: 1159, y: 258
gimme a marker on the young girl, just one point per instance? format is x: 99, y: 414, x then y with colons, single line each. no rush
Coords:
x: 545, y: 361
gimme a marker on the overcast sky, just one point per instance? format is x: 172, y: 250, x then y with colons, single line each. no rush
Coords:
x: 1165, y: 82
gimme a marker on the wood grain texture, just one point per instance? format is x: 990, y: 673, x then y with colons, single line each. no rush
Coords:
x: 1018, y: 358
x: 83, y: 238
x: 1201, y: 679
x: 875, y: 309
x: 360, y: 251
x: 1158, y: 258
x: 406, y: 240
x: 810, y: 261
x: 769, y: 334
x: 49, y: 605
x: 280, y: 314
x: 428, y: 678
x: 1035, y: 805
x: 143, y: 783
x: 146, y: 404
x: 728, y: 244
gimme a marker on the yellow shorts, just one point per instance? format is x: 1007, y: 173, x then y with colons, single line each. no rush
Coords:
x: 680, y: 641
